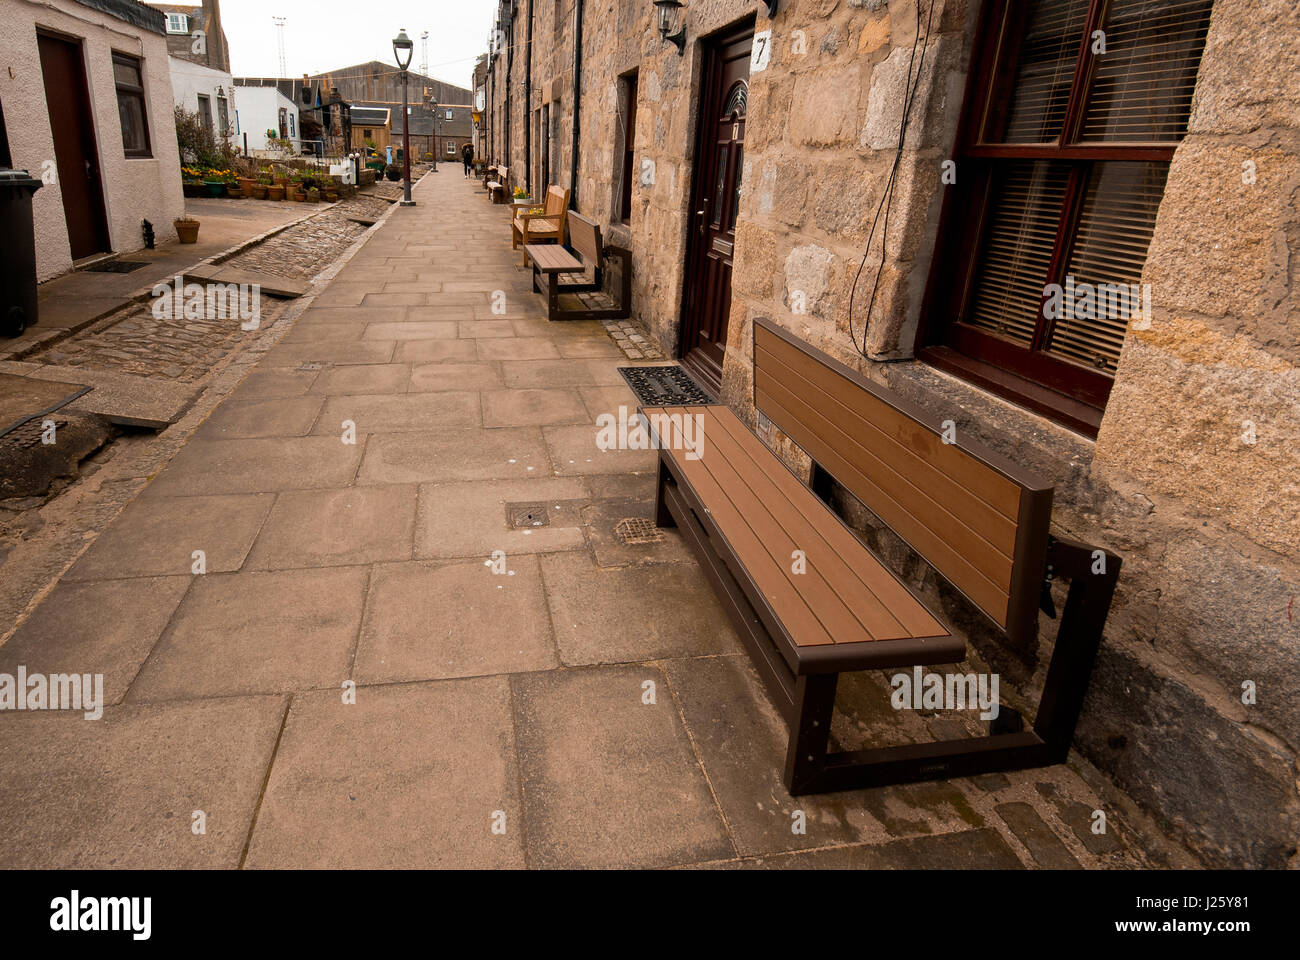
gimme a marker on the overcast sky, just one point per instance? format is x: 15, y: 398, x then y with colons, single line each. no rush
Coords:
x: 321, y: 35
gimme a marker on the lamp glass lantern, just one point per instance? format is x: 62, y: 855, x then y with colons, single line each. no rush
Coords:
x: 668, y: 15
x: 402, y: 49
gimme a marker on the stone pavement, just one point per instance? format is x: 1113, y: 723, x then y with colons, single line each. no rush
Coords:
x: 587, y: 706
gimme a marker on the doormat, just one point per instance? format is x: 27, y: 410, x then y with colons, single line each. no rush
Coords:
x: 669, y: 386
x: 116, y: 266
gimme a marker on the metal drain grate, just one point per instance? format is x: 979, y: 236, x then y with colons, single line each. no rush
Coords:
x: 668, y: 386
x: 116, y: 266
x: 637, y: 530
x: 523, y: 516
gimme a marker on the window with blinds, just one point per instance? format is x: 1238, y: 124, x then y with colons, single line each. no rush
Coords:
x: 1073, y: 112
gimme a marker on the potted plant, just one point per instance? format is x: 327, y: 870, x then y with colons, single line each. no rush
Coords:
x: 187, y: 228
x: 192, y: 181
x: 275, y: 191
x: 313, y: 195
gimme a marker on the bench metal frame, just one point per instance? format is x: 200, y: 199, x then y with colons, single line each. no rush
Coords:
x: 803, y: 686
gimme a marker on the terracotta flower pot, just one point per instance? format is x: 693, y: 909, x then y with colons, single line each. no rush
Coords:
x: 187, y: 230
x: 331, y: 195
x: 233, y: 191
x: 246, y: 185
x: 259, y: 191
x: 275, y: 192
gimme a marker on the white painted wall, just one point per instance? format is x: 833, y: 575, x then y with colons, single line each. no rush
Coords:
x: 259, y: 108
x: 134, y: 189
x: 191, y: 79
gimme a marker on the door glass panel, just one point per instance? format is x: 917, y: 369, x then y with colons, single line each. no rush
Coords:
x: 735, y: 199
x: 720, y: 184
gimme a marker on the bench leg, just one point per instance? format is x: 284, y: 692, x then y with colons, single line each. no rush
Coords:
x: 663, y: 517
x: 814, y: 701
x: 552, y: 295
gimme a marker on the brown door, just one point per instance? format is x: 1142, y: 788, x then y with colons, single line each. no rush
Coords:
x: 724, y: 89
x: 68, y: 100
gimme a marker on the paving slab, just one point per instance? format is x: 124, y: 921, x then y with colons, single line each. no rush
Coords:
x: 430, y: 377
x: 436, y: 351
x: 328, y: 353
x: 322, y: 528
x: 517, y: 348
x: 270, y: 284
x: 511, y: 408
x: 155, y: 536
x: 634, y: 613
x: 363, y: 378
x: 239, y: 419
x: 455, y: 453
x: 399, y: 413
x: 121, y: 792
x: 610, y: 781
x: 258, y: 465
x: 262, y: 632
x: 560, y: 373
x: 469, y: 519
x: 95, y: 628
x: 574, y: 451
x: 410, y: 330
x: 272, y: 383
x: 408, y: 776
x: 428, y: 621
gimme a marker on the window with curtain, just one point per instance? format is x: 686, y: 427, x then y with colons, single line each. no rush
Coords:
x: 130, y: 105
x: 1074, y: 109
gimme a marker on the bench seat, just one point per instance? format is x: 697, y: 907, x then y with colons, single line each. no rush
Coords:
x: 846, y: 610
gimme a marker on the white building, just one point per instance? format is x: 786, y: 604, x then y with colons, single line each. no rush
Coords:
x: 87, y: 105
x: 263, y: 109
x: 209, y: 93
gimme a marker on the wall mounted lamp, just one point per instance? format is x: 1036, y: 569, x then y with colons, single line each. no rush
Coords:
x: 671, y: 28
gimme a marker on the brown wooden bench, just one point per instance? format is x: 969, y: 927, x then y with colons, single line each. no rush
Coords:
x: 497, y: 183
x: 980, y: 521
x: 575, y: 287
x: 545, y: 227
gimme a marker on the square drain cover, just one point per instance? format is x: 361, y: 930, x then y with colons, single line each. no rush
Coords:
x: 637, y: 530
x: 522, y: 516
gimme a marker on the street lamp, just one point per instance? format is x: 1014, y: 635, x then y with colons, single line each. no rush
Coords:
x: 402, y: 50
x: 433, y: 114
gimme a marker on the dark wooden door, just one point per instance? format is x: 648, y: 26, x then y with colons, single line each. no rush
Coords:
x: 76, y: 158
x: 715, y: 195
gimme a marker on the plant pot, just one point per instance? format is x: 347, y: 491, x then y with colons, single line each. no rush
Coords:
x: 259, y: 191
x: 216, y: 188
x: 187, y: 230
x: 192, y: 188
x: 275, y: 192
x: 298, y: 196
x: 313, y: 196
x: 331, y: 196
x: 246, y: 185
x: 234, y: 191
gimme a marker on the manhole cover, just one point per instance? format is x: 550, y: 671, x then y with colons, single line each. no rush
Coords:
x: 669, y: 386
x: 116, y: 266
x: 522, y: 516
x: 636, y: 530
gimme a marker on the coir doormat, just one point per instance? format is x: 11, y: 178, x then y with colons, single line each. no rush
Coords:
x: 667, y: 386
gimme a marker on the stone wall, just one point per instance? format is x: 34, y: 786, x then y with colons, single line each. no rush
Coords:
x: 1207, y: 524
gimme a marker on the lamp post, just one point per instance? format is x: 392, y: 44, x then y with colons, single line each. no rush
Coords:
x: 433, y: 114
x: 402, y: 49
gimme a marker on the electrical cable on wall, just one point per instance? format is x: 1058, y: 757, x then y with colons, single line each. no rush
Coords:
x: 887, y: 198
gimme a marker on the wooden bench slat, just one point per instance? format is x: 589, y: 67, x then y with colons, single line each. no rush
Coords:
x: 751, y: 488
x: 918, y: 512
x: 758, y: 521
x: 890, y: 436
x: 990, y: 597
x: 880, y: 581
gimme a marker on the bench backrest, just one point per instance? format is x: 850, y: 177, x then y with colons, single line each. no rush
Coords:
x: 584, y: 237
x: 978, y: 519
x: 557, y: 200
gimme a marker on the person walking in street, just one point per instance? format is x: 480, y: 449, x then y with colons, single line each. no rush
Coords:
x: 467, y: 154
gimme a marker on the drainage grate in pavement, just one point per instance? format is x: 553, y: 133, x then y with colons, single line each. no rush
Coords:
x: 665, y: 386
x: 637, y: 530
x: 522, y: 516
x: 116, y: 266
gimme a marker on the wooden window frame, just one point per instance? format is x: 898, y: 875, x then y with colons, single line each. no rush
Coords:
x: 1064, y: 391
x: 135, y: 91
